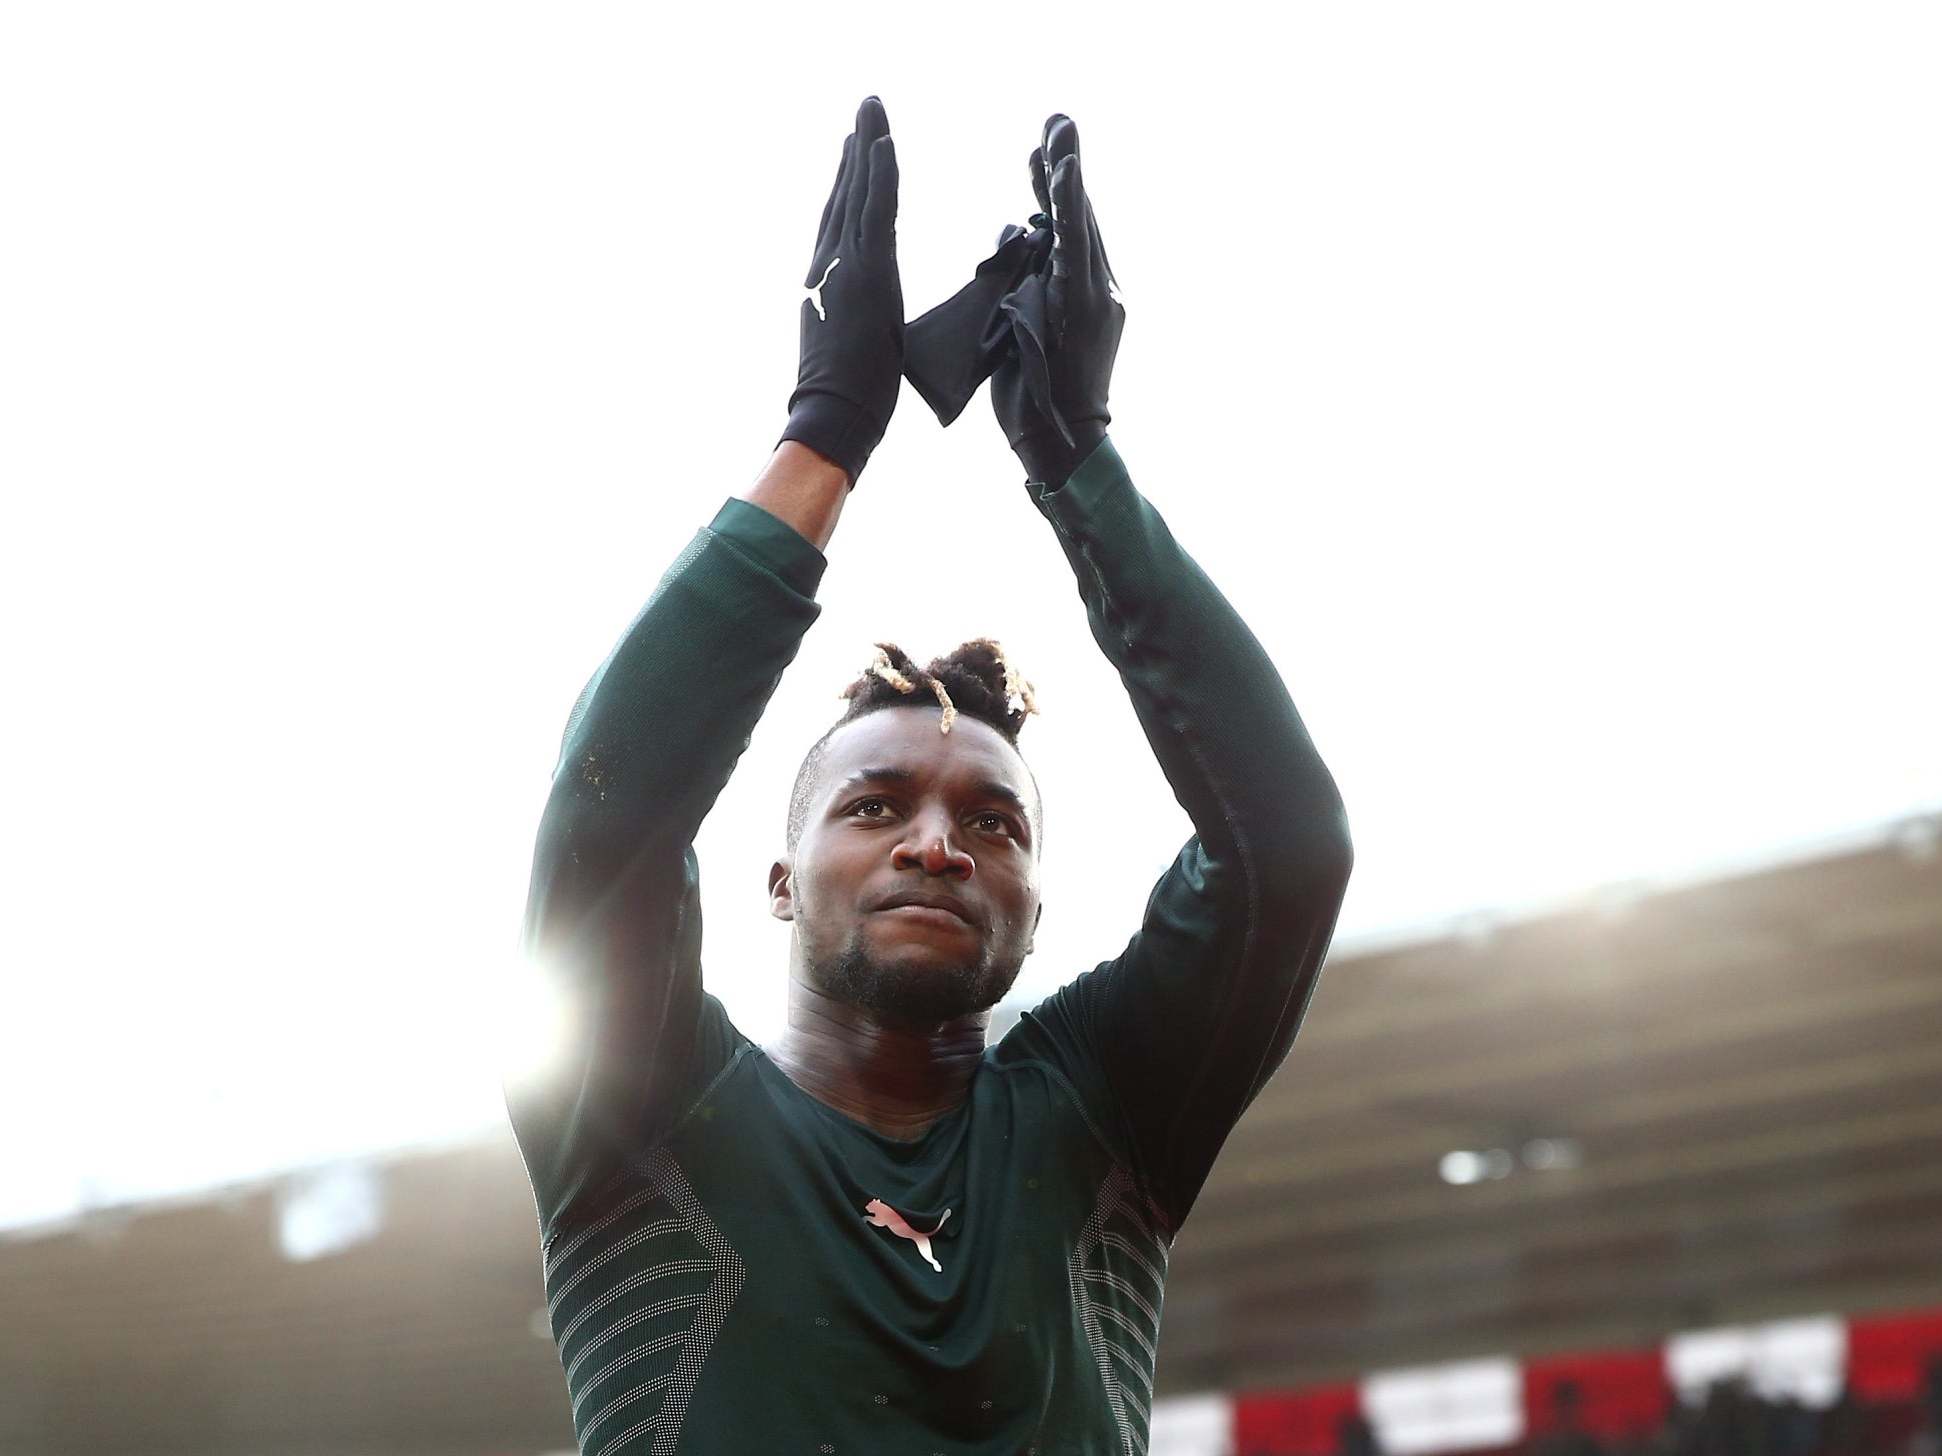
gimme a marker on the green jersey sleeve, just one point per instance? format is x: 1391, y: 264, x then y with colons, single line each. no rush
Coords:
x: 1178, y: 1033
x: 613, y: 915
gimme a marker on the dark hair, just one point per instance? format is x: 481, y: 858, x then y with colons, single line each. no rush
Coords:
x: 975, y: 681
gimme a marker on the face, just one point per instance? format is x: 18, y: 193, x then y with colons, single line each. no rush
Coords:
x: 903, y: 809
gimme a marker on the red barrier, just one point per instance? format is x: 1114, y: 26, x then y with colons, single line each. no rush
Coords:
x: 1295, y: 1422
x: 1621, y: 1392
x: 1889, y: 1355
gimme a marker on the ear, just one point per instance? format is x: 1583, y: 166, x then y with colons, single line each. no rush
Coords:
x: 782, y: 891
x: 1037, y: 915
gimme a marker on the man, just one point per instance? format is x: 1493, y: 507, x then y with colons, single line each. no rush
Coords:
x: 881, y: 1235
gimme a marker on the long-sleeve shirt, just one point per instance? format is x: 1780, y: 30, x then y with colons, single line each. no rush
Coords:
x: 733, y: 1266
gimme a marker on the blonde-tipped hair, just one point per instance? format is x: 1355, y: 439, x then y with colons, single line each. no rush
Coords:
x: 977, y: 679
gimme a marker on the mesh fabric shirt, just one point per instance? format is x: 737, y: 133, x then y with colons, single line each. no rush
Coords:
x: 730, y: 1265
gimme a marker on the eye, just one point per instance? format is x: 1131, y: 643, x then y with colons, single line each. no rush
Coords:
x: 1003, y: 822
x: 858, y: 806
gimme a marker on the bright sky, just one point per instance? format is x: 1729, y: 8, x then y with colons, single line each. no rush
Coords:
x: 1553, y: 389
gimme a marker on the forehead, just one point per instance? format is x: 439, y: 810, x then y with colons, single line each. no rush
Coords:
x: 908, y: 738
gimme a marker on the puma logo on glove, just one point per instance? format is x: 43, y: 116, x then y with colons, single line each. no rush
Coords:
x: 815, y: 295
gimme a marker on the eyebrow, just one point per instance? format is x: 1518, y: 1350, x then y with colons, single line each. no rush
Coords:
x: 989, y: 788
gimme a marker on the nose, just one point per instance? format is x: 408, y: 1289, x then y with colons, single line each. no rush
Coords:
x: 929, y: 846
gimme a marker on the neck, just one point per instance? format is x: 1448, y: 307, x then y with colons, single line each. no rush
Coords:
x: 896, y: 1080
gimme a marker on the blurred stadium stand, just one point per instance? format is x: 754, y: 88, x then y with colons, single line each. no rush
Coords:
x: 1581, y: 1146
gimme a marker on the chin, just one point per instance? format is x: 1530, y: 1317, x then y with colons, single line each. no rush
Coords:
x: 915, y: 994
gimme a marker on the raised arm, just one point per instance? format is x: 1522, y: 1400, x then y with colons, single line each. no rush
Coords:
x: 1176, y: 1035
x: 1188, y: 1022
x: 613, y: 915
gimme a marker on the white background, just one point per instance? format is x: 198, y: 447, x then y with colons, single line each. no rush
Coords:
x: 1553, y: 388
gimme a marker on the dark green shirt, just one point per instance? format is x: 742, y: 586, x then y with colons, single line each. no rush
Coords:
x: 733, y: 1267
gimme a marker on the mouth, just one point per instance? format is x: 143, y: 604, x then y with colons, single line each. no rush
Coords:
x: 921, y: 913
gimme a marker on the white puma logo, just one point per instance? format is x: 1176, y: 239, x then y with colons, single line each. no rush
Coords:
x: 815, y: 295
x: 882, y: 1215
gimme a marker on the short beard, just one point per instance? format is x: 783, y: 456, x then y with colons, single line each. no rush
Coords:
x: 913, y: 1000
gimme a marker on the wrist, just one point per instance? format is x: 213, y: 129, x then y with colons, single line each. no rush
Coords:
x: 803, y: 489
x: 1047, y: 458
x: 835, y: 428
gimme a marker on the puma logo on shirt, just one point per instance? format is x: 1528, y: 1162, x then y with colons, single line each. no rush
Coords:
x: 882, y: 1215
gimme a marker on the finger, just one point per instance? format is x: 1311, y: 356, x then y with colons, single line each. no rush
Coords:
x: 1041, y: 181
x: 880, y: 211
x: 833, y: 209
x: 1061, y: 140
x: 1071, y: 237
x: 1060, y: 145
x: 871, y: 123
x: 1102, y: 271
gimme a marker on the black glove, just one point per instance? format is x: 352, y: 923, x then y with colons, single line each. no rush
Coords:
x: 853, y: 343
x: 1041, y: 319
